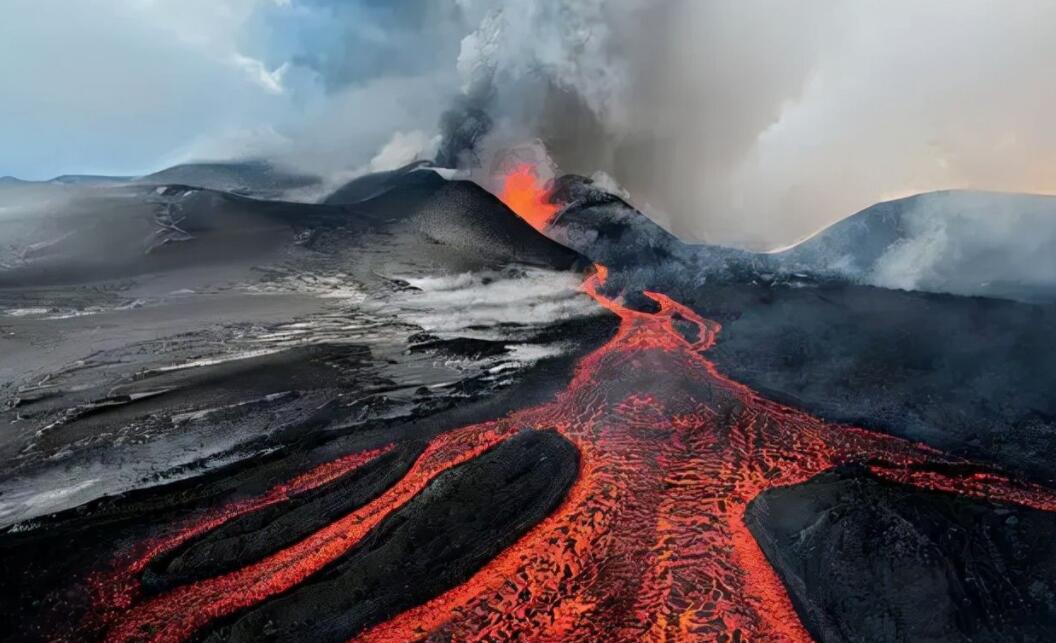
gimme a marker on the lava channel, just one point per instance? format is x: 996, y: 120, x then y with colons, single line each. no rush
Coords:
x: 650, y: 541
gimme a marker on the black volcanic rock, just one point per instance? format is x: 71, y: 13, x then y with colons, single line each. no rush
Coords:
x: 465, y: 517
x: 462, y: 347
x: 869, y: 560
x: 606, y: 228
x: 418, y: 220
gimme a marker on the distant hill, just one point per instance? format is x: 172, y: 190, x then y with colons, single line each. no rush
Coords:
x: 74, y: 233
x: 90, y: 179
x: 259, y: 179
x: 968, y: 243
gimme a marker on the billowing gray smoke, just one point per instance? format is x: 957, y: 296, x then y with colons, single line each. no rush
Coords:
x: 755, y: 123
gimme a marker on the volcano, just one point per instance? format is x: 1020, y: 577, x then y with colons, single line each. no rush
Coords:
x: 418, y: 411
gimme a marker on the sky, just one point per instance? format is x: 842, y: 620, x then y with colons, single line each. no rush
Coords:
x: 751, y: 123
x: 132, y: 86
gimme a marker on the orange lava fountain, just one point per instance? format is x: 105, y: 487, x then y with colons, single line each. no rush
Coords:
x: 650, y: 542
x: 523, y: 193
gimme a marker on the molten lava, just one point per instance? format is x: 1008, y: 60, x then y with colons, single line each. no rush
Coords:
x: 117, y: 591
x: 650, y: 542
x: 525, y: 194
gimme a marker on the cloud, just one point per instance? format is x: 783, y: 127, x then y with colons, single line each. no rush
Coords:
x: 270, y: 80
x: 404, y: 148
x: 130, y: 86
x: 115, y: 86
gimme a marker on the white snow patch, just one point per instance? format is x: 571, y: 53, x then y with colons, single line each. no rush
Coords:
x: 453, y: 305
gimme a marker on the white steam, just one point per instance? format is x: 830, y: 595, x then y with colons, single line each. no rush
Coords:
x: 971, y: 243
x: 480, y: 304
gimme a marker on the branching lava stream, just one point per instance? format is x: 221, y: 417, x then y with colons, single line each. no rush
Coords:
x: 649, y: 543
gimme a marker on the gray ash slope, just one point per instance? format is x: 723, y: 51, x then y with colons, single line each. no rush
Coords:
x: 468, y: 224
x: 137, y: 319
x: 99, y: 233
x: 66, y: 235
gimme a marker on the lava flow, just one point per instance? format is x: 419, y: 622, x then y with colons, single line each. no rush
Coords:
x: 648, y: 544
x: 523, y: 193
x: 115, y: 592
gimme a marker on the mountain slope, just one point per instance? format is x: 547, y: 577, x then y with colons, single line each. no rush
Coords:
x: 252, y: 178
x: 968, y: 243
x: 422, y: 218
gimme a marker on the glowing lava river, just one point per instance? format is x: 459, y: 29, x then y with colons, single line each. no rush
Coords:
x: 649, y: 543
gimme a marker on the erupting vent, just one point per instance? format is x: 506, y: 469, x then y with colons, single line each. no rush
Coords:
x: 650, y: 542
x: 525, y: 194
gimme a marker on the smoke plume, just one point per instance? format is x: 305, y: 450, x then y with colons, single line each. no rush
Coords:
x: 755, y: 123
